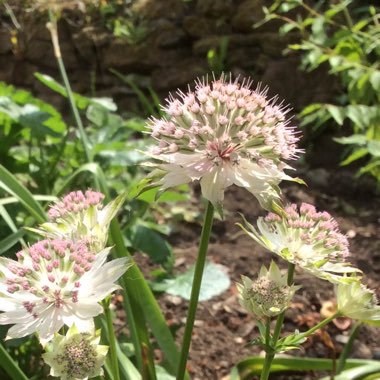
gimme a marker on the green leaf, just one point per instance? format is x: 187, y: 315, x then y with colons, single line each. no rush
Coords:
x: 139, y: 293
x: 11, y: 185
x: 338, y: 113
x: 81, y: 101
x: 214, y: 282
x: 375, y: 80
x: 150, y: 242
x: 162, y: 374
x: 373, y: 147
x: 249, y: 367
x: 360, y: 115
x: 11, y: 240
x: 356, y: 155
x: 106, y: 103
x: 358, y: 372
x: 127, y: 368
x: 353, y: 139
x: 10, y: 366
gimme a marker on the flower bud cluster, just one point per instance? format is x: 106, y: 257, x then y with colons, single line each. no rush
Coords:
x: 76, y: 355
x: 61, y: 279
x: 74, y: 203
x: 50, y: 270
x: 224, y: 133
x: 226, y: 121
x: 268, y: 295
x: 312, y: 228
x: 307, y: 238
x: 81, y: 217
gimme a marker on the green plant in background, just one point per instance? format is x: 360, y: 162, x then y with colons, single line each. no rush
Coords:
x: 216, y: 57
x: 124, y: 22
x: 345, y: 37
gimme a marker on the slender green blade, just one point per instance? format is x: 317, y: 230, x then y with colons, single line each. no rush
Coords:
x: 10, y: 366
x: 16, y: 233
x: 11, y: 185
x: 358, y: 372
x: 249, y: 367
x: 10, y: 241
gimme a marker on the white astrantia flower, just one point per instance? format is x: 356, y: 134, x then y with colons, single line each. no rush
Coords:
x: 268, y: 295
x: 55, y: 282
x: 307, y: 238
x: 75, y: 356
x: 221, y: 134
x: 356, y: 301
x: 81, y: 216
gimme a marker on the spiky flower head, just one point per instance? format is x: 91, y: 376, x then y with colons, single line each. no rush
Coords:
x: 268, y: 295
x: 81, y: 217
x: 55, y: 282
x: 307, y: 238
x: 221, y: 134
x: 356, y: 301
x: 75, y: 356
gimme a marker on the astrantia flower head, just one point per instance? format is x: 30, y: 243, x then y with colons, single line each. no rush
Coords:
x: 76, y: 356
x: 267, y: 296
x: 81, y: 216
x: 55, y: 282
x: 307, y: 238
x: 225, y: 133
x: 356, y: 301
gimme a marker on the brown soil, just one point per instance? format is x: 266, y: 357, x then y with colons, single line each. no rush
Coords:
x: 223, y: 329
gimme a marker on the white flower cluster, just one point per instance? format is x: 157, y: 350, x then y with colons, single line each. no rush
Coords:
x: 61, y: 280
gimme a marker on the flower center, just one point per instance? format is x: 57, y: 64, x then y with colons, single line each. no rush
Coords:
x: 222, y: 151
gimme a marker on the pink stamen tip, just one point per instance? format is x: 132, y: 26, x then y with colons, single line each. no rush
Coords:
x: 51, y: 277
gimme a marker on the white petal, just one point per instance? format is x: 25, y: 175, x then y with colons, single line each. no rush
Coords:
x: 84, y: 310
x: 103, y: 276
x: 214, y: 183
x: 52, y: 323
x: 24, y: 329
x: 82, y: 324
x: 175, y: 176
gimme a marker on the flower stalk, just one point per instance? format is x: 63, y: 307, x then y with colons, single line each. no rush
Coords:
x: 53, y: 29
x: 197, y: 280
x: 111, y: 340
x: 348, y: 347
x: 269, y: 356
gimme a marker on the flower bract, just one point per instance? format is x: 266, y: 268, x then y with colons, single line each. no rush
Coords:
x: 356, y: 301
x: 307, y: 238
x: 268, y: 295
x: 75, y: 356
x: 221, y: 134
x: 55, y: 282
x: 81, y: 216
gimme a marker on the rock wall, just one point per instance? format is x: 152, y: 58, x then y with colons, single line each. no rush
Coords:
x: 172, y: 53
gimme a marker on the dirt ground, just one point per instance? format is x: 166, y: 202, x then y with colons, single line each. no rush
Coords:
x: 223, y: 329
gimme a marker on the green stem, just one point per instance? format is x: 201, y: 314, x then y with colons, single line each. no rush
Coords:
x: 319, y: 326
x: 132, y: 306
x: 267, y: 363
x: 112, y: 341
x: 269, y: 356
x: 52, y: 26
x: 347, y: 348
x: 198, y: 273
x: 267, y: 332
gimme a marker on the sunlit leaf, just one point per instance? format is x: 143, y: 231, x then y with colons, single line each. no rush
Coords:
x: 215, y: 281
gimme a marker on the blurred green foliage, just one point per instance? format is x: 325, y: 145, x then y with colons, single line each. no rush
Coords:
x: 125, y: 23
x: 344, y: 36
x: 46, y: 155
